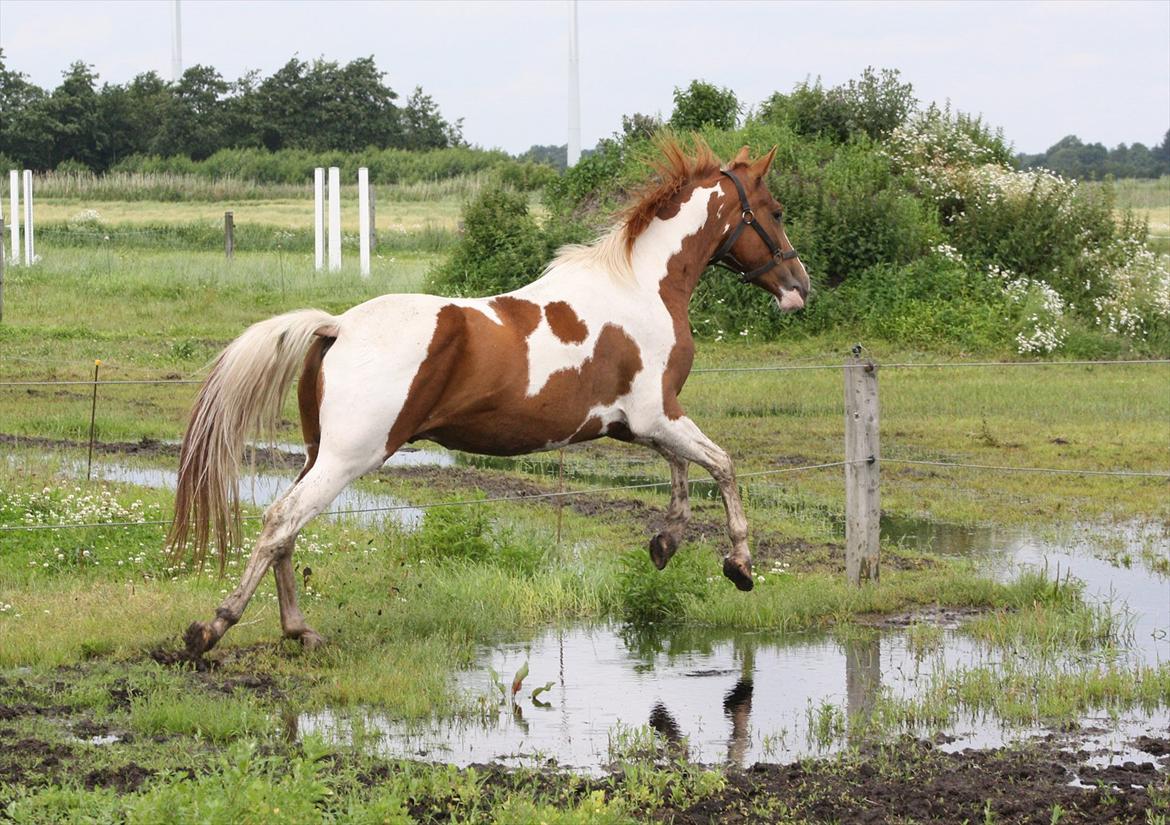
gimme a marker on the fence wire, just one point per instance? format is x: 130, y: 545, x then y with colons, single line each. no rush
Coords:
x: 433, y: 504
x: 698, y: 371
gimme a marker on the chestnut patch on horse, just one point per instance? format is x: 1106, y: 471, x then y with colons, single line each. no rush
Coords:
x: 522, y: 316
x: 310, y: 391
x: 564, y: 323
x: 470, y: 392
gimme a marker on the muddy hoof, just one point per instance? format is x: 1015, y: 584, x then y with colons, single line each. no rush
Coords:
x: 198, y: 639
x: 739, y: 572
x: 662, y: 547
x: 311, y: 640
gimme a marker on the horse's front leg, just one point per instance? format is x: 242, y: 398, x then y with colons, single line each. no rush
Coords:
x: 682, y: 438
x: 678, y: 514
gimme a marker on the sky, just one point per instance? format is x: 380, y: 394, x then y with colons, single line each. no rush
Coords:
x: 1039, y: 70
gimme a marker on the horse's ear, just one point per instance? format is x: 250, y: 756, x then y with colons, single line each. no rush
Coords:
x: 761, y: 166
x: 743, y: 156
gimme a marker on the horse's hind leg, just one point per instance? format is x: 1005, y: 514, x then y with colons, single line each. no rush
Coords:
x: 678, y: 514
x: 292, y: 620
x: 282, y: 522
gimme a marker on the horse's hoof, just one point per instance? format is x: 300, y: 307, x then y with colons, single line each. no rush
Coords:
x: 739, y: 572
x: 662, y: 547
x: 311, y: 640
x: 198, y: 639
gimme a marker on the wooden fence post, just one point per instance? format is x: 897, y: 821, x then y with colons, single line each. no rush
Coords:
x: 229, y: 235
x: 862, y: 496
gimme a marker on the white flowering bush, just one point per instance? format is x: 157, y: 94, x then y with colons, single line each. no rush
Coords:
x: 1137, y: 296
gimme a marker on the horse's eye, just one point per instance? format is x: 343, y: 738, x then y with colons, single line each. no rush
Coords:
x: 778, y: 215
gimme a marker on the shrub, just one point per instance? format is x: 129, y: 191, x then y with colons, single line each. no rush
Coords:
x: 704, y: 104
x: 502, y: 247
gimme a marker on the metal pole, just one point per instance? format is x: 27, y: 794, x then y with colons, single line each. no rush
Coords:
x: 1, y: 268
x: 364, y: 221
x: 862, y: 457
x: 574, y: 144
x: 176, y: 42
x: 334, y: 219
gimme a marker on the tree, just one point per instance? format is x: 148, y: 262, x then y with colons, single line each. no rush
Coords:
x: 27, y: 126
x: 73, y: 106
x: 703, y: 104
x: 423, y: 125
x: 195, y: 115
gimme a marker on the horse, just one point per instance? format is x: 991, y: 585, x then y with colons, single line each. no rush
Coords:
x: 599, y: 345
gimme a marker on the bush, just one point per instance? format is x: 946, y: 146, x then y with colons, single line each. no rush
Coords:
x: 468, y: 534
x: 704, y: 104
x: 502, y: 247
x: 872, y: 106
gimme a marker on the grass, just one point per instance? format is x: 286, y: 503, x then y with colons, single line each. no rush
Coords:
x: 82, y: 610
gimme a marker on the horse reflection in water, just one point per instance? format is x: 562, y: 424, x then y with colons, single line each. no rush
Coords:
x: 737, y: 707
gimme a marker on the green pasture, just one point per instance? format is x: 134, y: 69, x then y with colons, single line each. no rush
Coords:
x: 84, y: 613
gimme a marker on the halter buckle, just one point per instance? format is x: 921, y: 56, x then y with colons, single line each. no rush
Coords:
x: 747, y: 216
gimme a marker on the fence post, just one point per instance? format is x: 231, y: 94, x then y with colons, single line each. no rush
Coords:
x: 229, y: 235
x: 364, y: 221
x: 14, y: 213
x: 334, y: 218
x: 30, y: 252
x: 862, y: 496
x: 373, y: 219
x: 319, y: 218
x: 1, y: 268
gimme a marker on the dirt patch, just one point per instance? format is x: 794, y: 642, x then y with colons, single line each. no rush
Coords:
x: 123, y: 779
x: 914, y: 782
x: 29, y: 761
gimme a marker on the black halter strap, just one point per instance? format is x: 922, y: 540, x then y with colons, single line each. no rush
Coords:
x: 723, y: 256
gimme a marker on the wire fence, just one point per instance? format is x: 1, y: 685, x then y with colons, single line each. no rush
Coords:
x: 561, y: 495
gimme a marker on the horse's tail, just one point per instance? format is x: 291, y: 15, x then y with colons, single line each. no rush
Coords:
x: 243, y: 393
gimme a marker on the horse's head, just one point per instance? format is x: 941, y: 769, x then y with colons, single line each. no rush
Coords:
x: 755, y: 245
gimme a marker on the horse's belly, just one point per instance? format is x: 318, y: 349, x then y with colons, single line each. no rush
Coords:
x: 503, y: 434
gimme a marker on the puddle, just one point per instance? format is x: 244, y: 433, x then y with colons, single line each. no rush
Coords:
x: 263, y: 488
x: 738, y: 699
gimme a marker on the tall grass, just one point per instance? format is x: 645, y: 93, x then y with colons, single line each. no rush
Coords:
x: 170, y: 187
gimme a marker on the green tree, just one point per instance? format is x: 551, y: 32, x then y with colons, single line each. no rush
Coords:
x: 195, y: 115
x: 27, y: 125
x: 73, y: 106
x: 423, y: 125
x: 703, y: 104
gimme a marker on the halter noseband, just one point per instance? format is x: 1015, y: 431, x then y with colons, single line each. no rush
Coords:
x: 723, y: 256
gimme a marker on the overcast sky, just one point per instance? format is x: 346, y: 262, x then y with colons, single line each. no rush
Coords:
x: 1041, y: 70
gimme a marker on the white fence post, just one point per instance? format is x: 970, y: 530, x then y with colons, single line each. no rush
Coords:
x: 14, y: 213
x: 29, y: 249
x: 863, y: 505
x: 364, y: 220
x: 319, y: 218
x: 334, y: 219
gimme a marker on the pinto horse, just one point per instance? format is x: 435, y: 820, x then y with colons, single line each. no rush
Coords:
x: 599, y: 345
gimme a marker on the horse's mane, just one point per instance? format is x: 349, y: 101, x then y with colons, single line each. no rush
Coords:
x: 674, y: 170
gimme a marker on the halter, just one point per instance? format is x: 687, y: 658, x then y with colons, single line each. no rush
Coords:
x: 723, y: 256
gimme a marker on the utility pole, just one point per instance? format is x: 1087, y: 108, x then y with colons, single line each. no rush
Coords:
x: 176, y: 42
x: 574, y: 153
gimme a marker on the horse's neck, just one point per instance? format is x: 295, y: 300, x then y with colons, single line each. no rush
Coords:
x: 671, y: 254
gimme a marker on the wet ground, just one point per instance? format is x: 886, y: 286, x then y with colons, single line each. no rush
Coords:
x: 738, y: 699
